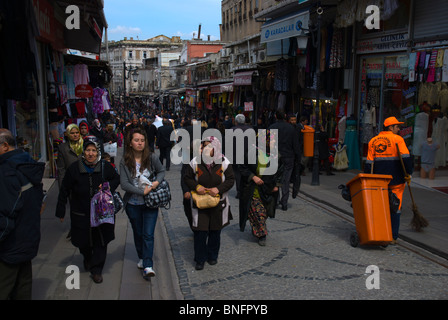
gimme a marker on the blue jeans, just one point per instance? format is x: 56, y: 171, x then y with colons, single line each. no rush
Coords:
x: 143, y: 221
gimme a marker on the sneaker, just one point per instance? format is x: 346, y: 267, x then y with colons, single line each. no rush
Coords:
x: 140, y: 264
x: 262, y: 241
x: 148, y: 272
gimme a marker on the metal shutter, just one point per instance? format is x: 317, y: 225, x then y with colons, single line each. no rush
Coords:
x: 430, y: 19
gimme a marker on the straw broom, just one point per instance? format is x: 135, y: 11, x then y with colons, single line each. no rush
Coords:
x: 418, y: 221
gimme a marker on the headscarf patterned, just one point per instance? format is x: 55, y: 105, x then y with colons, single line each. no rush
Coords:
x: 76, y: 146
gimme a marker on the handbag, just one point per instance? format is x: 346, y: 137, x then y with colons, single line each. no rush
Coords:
x: 205, y: 201
x: 102, y: 208
x: 117, y: 199
x: 160, y: 197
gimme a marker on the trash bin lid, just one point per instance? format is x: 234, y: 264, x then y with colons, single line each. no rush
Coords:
x: 370, y: 176
x: 308, y: 129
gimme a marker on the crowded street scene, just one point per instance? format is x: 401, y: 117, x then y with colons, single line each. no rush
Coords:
x: 280, y: 151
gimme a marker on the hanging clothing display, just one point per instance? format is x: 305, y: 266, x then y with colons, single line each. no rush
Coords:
x: 281, y: 80
x: 439, y: 136
x: 101, y: 101
x: 340, y: 158
x: 81, y: 74
x: 352, y: 143
x: 369, y: 123
x: 420, y: 132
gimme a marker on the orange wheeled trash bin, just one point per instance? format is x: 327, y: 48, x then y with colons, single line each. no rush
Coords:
x: 370, y: 202
x: 308, y: 141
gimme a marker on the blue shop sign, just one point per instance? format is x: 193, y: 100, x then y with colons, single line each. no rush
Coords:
x: 285, y: 28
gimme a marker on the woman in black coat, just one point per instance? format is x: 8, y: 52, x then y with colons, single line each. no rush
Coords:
x: 81, y: 182
x: 259, y: 195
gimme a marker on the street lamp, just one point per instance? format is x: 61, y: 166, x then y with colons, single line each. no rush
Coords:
x: 319, y: 10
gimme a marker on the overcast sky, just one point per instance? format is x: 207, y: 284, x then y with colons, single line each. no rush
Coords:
x: 145, y: 19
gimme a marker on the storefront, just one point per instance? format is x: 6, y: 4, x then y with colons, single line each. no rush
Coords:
x: 243, y: 99
x: 33, y: 90
x: 382, y: 83
x: 428, y: 75
x: 402, y: 75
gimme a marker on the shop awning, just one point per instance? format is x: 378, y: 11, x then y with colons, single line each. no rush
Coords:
x: 285, y: 28
x: 220, y: 88
x: 243, y: 78
x: 92, y: 23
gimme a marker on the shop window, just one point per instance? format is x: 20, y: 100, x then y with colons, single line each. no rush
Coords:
x: 27, y: 126
x: 385, y: 92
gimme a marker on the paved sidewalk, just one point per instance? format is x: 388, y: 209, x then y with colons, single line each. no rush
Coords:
x: 122, y: 279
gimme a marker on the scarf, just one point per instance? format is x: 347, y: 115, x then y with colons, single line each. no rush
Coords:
x: 76, y: 146
x: 215, y: 144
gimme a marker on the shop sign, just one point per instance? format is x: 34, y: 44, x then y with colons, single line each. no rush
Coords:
x: 406, y: 132
x: 248, y: 106
x: 243, y: 78
x: 83, y: 91
x: 392, y: 42
x: 45, y: 19
x: 285, y: 28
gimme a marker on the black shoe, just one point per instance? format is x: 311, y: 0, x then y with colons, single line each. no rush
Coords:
x: 199, y: 265
x: 330, y: 174
x: 167, y: 169
x: 212, y: 262
x: 284, y: 207
x: 97, y: 278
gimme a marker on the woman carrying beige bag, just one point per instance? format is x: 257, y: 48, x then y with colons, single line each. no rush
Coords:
x: 210, y: 174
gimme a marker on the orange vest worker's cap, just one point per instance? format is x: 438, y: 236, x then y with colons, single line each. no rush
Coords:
x: 391, y: 121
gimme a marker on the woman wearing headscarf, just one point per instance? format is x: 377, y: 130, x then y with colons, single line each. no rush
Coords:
x: 210, y: 172
x: 259, y: 190
x: 84, y: 128
x: 69, y: 151
x: 81, y: 182
x: 98, y: 132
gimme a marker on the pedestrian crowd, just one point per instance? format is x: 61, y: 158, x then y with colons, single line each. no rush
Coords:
x: 86, y: 167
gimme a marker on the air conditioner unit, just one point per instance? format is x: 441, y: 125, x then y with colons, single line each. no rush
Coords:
x: 261, y: 56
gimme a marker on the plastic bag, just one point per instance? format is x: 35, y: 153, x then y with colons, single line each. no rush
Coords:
x: 102, y: 209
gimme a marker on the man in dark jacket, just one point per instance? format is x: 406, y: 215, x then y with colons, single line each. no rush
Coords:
x: 288, y: 151
x: 151, y: 132
x: 164, y: 142
x: 20, y: 207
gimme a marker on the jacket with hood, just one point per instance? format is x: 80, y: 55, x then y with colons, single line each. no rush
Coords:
x: 22, y: 194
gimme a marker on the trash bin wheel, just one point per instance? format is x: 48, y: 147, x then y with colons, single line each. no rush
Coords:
x: 354, y: 239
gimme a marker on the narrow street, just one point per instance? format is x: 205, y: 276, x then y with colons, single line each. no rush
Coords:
x: 307, y: 256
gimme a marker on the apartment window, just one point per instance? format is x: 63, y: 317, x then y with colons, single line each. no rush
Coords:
x: 130, y: 54
x: 144, y: 55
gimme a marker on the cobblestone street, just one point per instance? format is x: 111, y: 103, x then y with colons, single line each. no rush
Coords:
x: 307, y: 256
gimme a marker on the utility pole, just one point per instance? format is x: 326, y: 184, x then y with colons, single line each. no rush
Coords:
x: 315, y: 177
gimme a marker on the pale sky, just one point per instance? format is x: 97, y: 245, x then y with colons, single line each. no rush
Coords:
x: 145, y: 19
